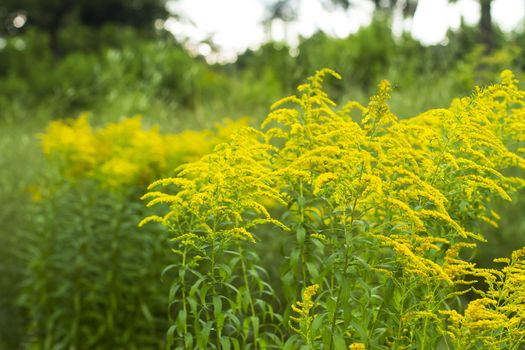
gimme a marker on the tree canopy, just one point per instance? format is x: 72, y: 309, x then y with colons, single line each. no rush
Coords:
x: 52, y: 16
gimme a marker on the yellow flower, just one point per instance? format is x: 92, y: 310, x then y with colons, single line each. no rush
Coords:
x: 125, y: 153
x: 303, y: 308
x: 416, y: 187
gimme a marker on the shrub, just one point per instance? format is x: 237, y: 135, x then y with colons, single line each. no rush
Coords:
x: 376, y: 212
x: 90, y: 279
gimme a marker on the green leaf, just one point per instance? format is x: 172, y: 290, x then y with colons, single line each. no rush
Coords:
x: 217, y: 311
x: 291, y: 343
x: 255, y: 325
x: 300, y: 233
x: 301, y: 201
x: 225, y: 343
x: 171, y: 267
x: 225, y: 271
x: 312, y: 270
x: 316, y: 324
x: 236, y: 344
x: 181, y: 321
x: 170, y: 336
x: 204, y: 335
x: 188, y: 340
x: 246, y: 327
x: 339, y: 341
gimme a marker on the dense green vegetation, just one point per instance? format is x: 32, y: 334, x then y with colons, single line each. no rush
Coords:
x: 52, y: 250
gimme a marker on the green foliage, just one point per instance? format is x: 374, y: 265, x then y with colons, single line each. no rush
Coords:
x: 64, y: 279
x: 140, y: 13
x: 363, y: 57
x: 17, y: 155
x: 122, y: 74
x: 54, y: 16
x: 378, y: 210
x: 92, y: 280
x: 82, y: 80
x: 78, y: 273
x: 117, y: 70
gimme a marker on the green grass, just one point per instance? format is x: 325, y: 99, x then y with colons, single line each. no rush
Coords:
x: 20, y: 165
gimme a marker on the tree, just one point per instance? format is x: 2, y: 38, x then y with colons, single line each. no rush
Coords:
x: 408, y: 7
x: 486, y: 27
x: 52, y: 16
x: 286, y: 10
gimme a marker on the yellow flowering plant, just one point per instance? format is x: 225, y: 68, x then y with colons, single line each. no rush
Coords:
x: 495, y: 319
x: 379, y: 209
x: 211, y: 215
x: 91, y: 278
x: 125, y: 153
x: 304, y: 319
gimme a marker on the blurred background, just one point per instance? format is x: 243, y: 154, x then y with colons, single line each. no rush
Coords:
x: 181, y: 59
x: 70, y: 253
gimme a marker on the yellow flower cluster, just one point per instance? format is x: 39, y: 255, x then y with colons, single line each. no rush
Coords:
x: 303, y: 308
x: 433, y: 174
x: 421, y: 185
x: 220, y: 195
x: 124, y: 153
x: 495, y: 320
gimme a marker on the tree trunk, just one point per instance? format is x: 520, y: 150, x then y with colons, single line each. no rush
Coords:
x: 55, y: 25
x: 485, y: 26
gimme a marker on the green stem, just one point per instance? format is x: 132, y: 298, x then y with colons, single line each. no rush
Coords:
x: 212, y: 275
x: 302, y: 254
x: 247, y: 284
x: 302, y: 245
x: 346, y: 265
x: 183, y: 282
x: 401, y: 311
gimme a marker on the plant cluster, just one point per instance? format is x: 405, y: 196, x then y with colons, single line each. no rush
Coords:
x: 375, y: 213
x: 89, y: 279
x: 124, y: 153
